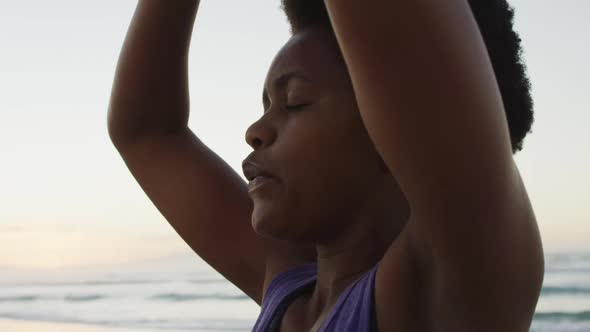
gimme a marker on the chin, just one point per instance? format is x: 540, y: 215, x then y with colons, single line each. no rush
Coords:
x: 270, y: 227
x: 281, y: 225
x: 280, y: 231
x: 275, y: 227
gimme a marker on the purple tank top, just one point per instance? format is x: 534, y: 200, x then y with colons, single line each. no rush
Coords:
x: 354, y: 310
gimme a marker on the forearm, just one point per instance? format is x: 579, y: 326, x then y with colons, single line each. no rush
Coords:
x: 150, y: 90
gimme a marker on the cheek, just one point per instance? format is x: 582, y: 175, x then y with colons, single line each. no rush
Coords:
x: 323, y: 159
x: 320, y: 186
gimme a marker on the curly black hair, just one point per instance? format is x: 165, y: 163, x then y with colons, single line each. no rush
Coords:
x: 495, y: 19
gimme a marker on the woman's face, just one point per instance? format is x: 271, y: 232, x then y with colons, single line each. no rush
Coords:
x: 325, y: 166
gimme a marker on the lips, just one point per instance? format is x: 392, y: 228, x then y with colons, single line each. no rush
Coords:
x: 252, y: 171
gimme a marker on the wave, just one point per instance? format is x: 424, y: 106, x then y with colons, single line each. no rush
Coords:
x: 574, y: 269
x: 20, y: 298
x: 122, y: 282
x: 65, y: 298
x: 556, y: 290
x: 83, y: 298
x: 178, y: 297
x: 207, y: 281
x: 115, y: 282
x: 171, y: 297
x: 563, y: 316
x: 567, y: 257
x: 160, y: 324
x: 90, y: 283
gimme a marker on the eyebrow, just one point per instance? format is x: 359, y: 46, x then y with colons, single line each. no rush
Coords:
x: 283, y: 79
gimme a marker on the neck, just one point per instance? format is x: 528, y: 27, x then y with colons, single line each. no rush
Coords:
x: 344, y: 260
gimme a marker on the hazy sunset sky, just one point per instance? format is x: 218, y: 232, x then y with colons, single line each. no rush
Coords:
x: 67, y: 199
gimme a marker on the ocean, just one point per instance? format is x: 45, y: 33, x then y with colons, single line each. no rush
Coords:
x: 198, y: 299
x: 564, y: 305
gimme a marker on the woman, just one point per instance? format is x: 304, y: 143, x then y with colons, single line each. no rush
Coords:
x: 383, y: 193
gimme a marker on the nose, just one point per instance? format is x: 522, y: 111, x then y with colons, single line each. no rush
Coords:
x: 260, y: 133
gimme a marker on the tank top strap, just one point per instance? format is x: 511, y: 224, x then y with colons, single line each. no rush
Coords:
x: 355, y: 309
x: 284, y: 287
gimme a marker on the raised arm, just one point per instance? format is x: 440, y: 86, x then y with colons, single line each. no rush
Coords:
x: 150, y: 92
x: 200, y: 195
x: 430, y: 101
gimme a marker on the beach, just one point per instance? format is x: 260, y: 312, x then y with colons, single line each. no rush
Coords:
x: 28, y: 326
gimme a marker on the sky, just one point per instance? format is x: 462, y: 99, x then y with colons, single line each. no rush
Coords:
x: 67, y: 199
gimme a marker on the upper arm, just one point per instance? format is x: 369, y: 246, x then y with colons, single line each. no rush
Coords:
x: 488, y: 281
x: 429, y: 99
x: 207, y: 203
